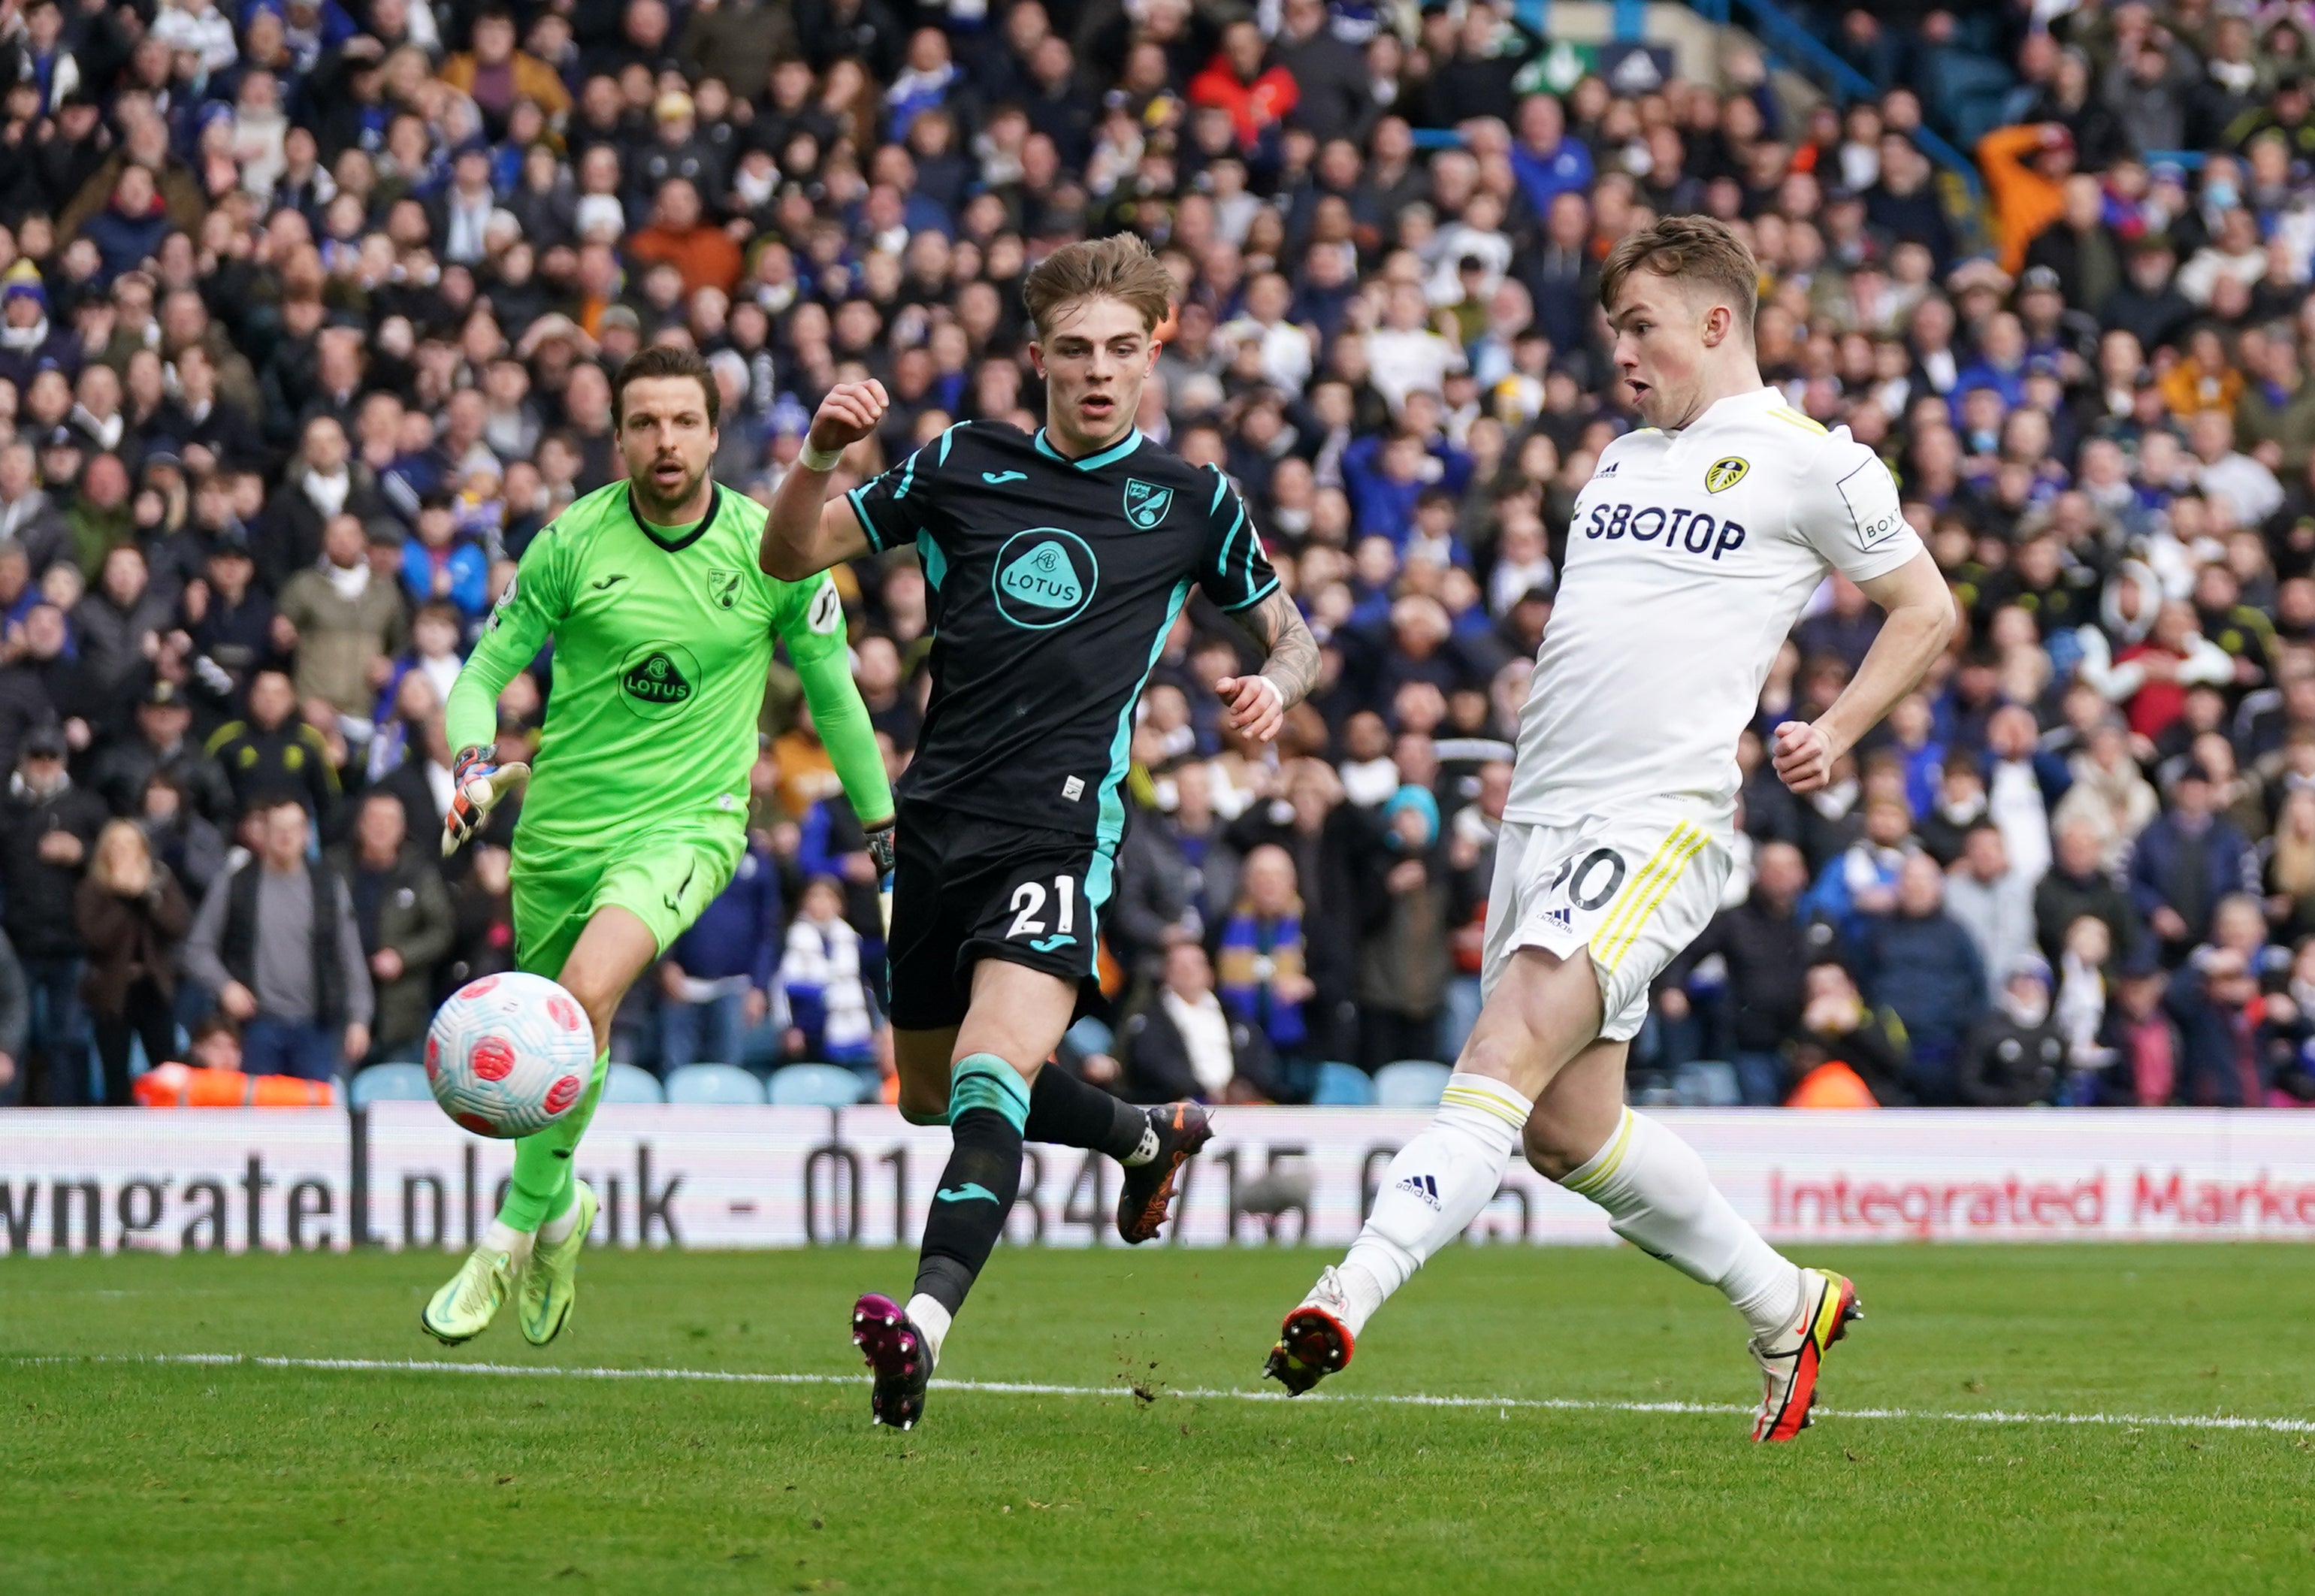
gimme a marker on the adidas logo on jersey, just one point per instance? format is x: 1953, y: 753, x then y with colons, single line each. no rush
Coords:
x: 1559, y: 920
x: 1423, y: 1186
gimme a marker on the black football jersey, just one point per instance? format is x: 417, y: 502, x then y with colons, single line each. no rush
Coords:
x: 1053, y: 584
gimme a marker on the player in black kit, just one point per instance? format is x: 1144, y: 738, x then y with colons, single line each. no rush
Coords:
x: 1057, y: 564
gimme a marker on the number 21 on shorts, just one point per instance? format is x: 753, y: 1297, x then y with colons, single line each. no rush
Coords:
x: 1028, y: 909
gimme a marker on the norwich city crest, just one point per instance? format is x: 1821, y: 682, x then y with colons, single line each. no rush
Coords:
x: 1146, y: 505
x: 658, y: 679
x: 1724, y: 474
x: 722, y: 587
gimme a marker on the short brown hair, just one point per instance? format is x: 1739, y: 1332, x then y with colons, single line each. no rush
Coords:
x: 664, y: 360
x: 1701, y: 249
x: 1118, y: 267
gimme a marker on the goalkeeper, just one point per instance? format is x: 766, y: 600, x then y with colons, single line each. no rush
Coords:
x: 637, y: 815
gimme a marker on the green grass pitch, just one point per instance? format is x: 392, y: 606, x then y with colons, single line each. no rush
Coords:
x: 149, y: 1477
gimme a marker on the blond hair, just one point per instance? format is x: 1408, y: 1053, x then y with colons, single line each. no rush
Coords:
x: 117, y: 835
x: 1118, y: 267
x: 1700, y: 251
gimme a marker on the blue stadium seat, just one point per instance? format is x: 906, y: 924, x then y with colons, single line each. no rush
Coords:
x: 627, y: 1083
x: 1342, y: 1086
x: 712, y: 1083
x: 1411, y: 1083
x: 815, y: 1085
x: 1706, y: 1083
x: 392, y: 1083
x: 1089, y: 1035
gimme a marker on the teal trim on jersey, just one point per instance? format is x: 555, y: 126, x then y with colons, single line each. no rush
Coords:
x: 1109, y: 456
x: 1100, y: 880
x: 1221, y: 486
x: 1222, y: 565
x: 1111, y: 824
x: 944, y: 436
x: 908, y: 478
x: 683, y: 540
x: 1258, y: 598
x: 936, y: 563
x: 860, y: 509
x: 984, y: 1080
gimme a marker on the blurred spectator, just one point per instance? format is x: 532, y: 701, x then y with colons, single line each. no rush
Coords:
x: 1174, y: 875
x: 270, y: 758
x: 482, y: 919
x: 1837, y: 1027
x: 1403, y: 951
x: 2015, y: 1056
x: 1764, y: 946
x: 716, y: 980
x: 2185, y: 861
x: 2214, y: 999
x: 344, y: 627
x: 1993, y: 902
x: 1260, y: 956
x: 131, y: 915
x: 47, y: 829
x: 2078, y: 884
x: 276, y: 942
x: 1184, y: 1043
x: 829, y: 1016
x: 1923, y: 967
x: 402, y: 915
x: 15, y: 1022
x: 120, y: 771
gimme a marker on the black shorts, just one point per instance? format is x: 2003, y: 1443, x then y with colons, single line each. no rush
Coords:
x: 966, y: 889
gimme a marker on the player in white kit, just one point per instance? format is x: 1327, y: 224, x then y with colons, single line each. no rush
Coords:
x: 1691, y: 554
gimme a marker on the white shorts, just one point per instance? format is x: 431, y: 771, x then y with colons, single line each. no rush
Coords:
x: 1632, y: 889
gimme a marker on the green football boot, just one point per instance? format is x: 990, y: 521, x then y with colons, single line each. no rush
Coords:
x: 550, y: 1284
x: 466, y: 1306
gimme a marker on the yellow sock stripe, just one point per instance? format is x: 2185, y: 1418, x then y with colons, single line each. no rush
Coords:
x: 1666, y: 880
x: 1608, y: 1166
x: 1485, y: 1102
x: 1638, y: 888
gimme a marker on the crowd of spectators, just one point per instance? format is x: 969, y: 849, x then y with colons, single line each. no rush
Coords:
x: 306, y: 313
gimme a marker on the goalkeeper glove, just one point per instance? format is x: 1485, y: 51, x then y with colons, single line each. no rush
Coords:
x: 478, y: 783
x: 884, y: 848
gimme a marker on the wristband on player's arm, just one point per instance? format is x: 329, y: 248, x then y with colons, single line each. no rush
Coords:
x: 817, y: 459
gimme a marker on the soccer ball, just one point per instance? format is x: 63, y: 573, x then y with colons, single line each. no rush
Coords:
x: 509, y: 1055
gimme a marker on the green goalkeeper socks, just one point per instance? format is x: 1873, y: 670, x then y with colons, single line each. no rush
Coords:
x: 543, y: 1184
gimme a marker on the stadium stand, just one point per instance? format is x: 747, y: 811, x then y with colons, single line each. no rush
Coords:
x: 305, y: 310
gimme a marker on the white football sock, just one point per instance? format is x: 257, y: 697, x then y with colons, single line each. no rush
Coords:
x: 1659, y: 1199
x: 1433, y: 1189
x: 931, y: 1318
x: 557, y: 1231
x: 503, y: 1237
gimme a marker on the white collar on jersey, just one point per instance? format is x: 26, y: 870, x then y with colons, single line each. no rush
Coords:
x: 1763, y: 396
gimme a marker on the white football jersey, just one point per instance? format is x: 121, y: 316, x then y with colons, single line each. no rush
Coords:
x: 1688, y: 559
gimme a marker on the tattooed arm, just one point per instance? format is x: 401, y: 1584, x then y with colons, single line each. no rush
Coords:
x: 1257, y: 705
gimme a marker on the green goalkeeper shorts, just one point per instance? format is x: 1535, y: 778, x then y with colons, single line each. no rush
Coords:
x: 663, y: 878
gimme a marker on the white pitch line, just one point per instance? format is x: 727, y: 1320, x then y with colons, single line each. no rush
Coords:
x: 1033, y: 1388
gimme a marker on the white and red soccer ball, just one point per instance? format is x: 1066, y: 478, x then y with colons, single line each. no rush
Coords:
x: 509, y: 1055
